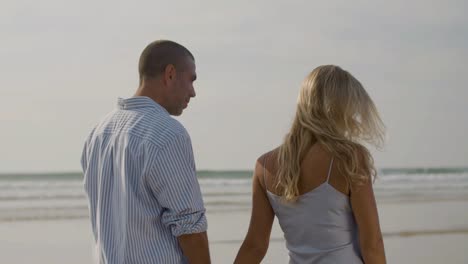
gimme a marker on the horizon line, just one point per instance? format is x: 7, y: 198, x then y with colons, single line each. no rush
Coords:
x: 454, y: 168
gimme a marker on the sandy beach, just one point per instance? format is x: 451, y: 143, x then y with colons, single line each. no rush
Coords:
x: 414, y: 232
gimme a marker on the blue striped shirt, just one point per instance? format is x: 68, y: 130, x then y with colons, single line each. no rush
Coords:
x: 140, y: 180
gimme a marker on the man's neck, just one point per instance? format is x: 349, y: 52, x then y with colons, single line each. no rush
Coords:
x: 154, y: 93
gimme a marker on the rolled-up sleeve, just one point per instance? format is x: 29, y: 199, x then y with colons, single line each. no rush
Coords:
x: 174, y: 183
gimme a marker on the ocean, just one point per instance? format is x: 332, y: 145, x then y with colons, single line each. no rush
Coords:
x: 61, y: 195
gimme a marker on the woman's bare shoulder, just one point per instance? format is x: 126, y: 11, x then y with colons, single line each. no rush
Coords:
x: 266, y: 165
x: 266, y: 158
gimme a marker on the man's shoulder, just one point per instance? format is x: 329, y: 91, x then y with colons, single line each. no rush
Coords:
x: 175, y: 126
x: 100, y: 125
x: 175, y: 129
x: 150, y: 127
x: 161, y: 130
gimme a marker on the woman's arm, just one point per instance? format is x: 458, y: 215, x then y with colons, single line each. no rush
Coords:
x: 257, y: 239
x: 366, y: 215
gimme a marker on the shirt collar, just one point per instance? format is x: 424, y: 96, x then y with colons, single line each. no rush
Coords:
x: 139, y: 102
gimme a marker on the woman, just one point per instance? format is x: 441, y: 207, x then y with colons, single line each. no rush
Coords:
x: 319, y: 181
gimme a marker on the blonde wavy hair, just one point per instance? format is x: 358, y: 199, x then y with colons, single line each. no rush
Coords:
x: 333, y: 109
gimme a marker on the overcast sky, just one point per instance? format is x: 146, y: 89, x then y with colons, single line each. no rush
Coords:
x: 63, y: 65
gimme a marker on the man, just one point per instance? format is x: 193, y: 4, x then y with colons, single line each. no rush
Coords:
x: 145, y: 202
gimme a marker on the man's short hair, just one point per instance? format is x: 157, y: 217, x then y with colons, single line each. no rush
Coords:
x: 158, y: 54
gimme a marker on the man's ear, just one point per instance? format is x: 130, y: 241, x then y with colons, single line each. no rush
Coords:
x: 169, y: 73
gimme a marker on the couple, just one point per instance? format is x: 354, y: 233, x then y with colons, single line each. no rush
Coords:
x: 145, y: 202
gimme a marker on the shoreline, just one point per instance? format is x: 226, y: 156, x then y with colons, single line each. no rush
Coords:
x: 212, y: 207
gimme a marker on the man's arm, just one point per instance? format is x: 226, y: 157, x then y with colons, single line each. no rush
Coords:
x: 84, y: 153
x: 174, y: 184
x: 195, y: 247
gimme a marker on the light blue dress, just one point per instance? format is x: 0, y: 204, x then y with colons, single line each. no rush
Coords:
x: 319, y: 227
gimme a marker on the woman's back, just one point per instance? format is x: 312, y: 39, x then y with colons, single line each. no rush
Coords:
x: 319, y: 227
x: 322, y: 206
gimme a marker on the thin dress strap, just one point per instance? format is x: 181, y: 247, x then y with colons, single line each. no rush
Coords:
x: 264, y: 171
x: 330, y: 169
